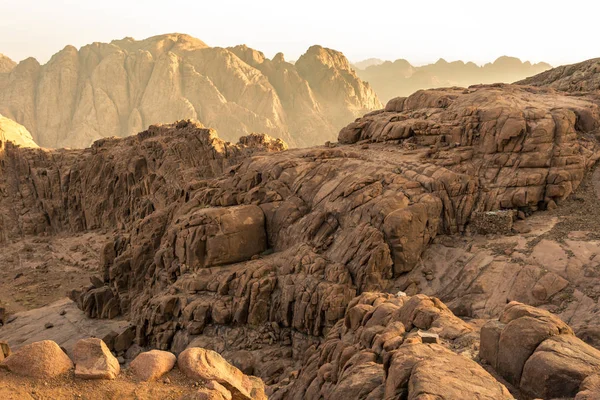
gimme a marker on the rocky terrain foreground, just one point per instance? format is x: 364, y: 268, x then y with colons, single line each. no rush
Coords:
x: 445, y: 247
x: 122, y: 87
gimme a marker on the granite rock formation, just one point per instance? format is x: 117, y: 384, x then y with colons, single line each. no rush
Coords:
x: 537, y: 352
x: 122, y: 87
x: 580, y: 77
x: 271, y: 257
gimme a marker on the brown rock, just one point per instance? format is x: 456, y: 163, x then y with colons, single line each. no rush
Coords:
x: 152, y: 365
x: 590, y: 388
x: 558, y: 367
x: 197, y: 363
x: 93, y: 360
x: 537, y: 352
x: 4, y: 350
x: 39, y: 360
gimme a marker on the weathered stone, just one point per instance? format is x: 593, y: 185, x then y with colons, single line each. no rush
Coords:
x: 93, y: 360
x: 197, y: 363
x: 43, y: 359
x: 427, y: 337
x: 558, y: 367
x: 537, y: 352
x: 152, y: 365
x: 124, y: 340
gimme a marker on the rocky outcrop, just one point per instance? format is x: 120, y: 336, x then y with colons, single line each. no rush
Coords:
x: 537, y: 352
x: 264, y: 255
x: 399, y: 78
x: 68, y: 190
x: 374, y: 353
x: 580, y: 77
x: 517, y: 141
x: 122, y: 87
x: 10, y: 131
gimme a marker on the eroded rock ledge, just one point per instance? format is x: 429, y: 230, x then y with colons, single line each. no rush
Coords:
x: 265, y: 255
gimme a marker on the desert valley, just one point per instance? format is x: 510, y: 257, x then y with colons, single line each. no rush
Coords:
x: 183, y: 221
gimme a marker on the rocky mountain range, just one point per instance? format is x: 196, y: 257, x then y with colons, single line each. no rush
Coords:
x: 445, y: 247
x: 400, y: 78
x: 122, y: 87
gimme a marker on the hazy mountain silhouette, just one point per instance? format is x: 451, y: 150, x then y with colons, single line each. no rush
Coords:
x: 400, y: 78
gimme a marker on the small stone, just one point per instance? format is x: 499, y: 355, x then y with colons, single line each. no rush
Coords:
x: 429, y: 277
x: 121, y: 360
x: 4, y: 350
x: 551, y: 205
x: 48, y: 325
x: 400, y: 294
x: 17, y: 276
x: 427, y: 337
x: 167, y: 381
x: 133, y: 351
x: 521, y: 215
x: 62, y: 312
x: 97, y: 282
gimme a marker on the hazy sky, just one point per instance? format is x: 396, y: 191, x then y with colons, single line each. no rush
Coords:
x: 557, y: 32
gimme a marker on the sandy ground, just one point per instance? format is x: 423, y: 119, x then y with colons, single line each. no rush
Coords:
x: 38, y: 270
x: 176, y: 386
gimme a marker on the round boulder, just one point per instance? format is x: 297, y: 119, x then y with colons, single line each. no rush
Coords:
x: 43, y: 359
x: 153, y: 364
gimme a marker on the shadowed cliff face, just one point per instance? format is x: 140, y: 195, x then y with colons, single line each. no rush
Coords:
x: 400, y: 78
x: 122, y: 87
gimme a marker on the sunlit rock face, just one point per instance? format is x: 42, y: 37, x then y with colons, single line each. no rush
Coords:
x: 10, y: 131
x: 122, y: 87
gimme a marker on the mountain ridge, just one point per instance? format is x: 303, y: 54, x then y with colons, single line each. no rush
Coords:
x: 400, y: 78
x: 120, y: 88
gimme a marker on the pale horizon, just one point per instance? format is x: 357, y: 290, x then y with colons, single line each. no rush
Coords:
x: 529, y: 31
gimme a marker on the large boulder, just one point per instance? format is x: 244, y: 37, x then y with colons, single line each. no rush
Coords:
x: 93, y: 360
x: 217, y: 236
x: 537, y: 352
x: 43, y: 359
x: 152, y: 364
x: 200, y: 364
